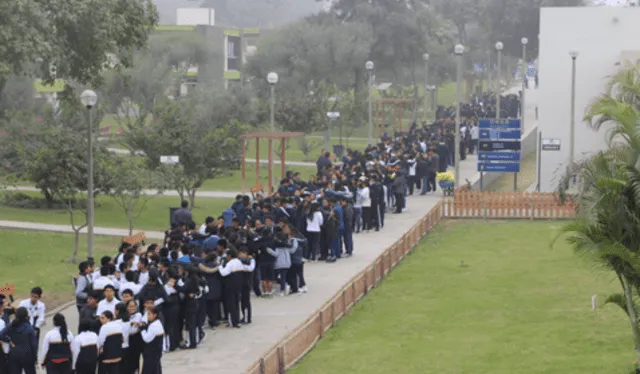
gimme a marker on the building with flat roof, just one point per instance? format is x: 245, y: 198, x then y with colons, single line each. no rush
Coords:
x: 603, y: 39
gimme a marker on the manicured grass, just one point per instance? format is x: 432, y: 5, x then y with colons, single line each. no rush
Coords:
x: 295, y: 154
x: 108, y: 214
x: 233, y: 181
x: 514, y: 306
x: 526, y: 177
x: 32, y: 259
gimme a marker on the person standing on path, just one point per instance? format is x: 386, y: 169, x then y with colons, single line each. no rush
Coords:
x: 153, y: 337
x: 56, y: 355
x: 21, y: 336
x: 85, y: 350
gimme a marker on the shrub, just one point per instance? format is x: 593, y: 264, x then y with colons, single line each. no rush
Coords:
x: 28, y: 201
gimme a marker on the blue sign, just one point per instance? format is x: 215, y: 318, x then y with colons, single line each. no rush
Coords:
x: 502, y: 167
x: 493, y: 145
x: 511, y: 124
x: 500, y: 135
x: 498, y: 156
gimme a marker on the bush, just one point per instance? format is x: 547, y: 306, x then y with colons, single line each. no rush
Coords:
x: 27, y: 201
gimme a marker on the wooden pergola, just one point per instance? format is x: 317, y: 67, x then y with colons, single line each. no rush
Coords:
x: 398, y: 108
x: 270, y: 136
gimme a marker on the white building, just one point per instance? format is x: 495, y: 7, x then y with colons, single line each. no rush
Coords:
x: 603, y: 37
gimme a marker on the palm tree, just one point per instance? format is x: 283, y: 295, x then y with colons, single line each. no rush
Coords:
x: 608, y: 224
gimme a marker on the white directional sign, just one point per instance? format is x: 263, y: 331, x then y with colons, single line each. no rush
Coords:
x: 551, y: 144
x: 169, y: 160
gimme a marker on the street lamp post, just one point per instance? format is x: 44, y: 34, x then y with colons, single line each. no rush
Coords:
x: 499, y: 47
x: 572, y: 135
x: 524, y: 42
x: 89, y: 99
x: 425, y: 57
x: 459, y: 51
x: 272, y: 78
x: 369, y: 66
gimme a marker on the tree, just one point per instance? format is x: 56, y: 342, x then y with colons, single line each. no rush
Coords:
x: 190, y: 128
x: 307, y: 146
x: 129, y: 188
x: 51, y: 152
x: 74, y: 35
x: 608, y: 225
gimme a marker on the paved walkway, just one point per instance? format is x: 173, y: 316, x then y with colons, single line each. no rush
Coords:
x: 232, y: 351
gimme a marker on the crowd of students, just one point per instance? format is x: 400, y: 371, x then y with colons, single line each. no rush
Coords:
x: 147, y: 300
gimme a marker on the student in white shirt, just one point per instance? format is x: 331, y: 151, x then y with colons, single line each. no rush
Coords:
x: 56, y: 347
x: 315, y: 221
x: 129, y: 284
x: 85, y: 350
x: 364, y: 194
x: 105, y: 279
x: 109, y: 344
x: 109, y: 302
x: 135, y: 339
x: 143, y: 272
x: 121, y: 317
x: 36, y: 309
x: 153, y: 337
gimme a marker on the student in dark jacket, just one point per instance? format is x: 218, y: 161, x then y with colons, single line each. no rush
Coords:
x: 88, y: 314
x: 214, y: 281
x: 24, y: 344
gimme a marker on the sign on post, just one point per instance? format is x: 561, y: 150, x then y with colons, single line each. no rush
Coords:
x: 502, y: 167
x: 499, y: 156
x: 500, y: 135
x: 169, y: 160
x: 551, y: 144
x: 500, y: 145
x: 495, y: 124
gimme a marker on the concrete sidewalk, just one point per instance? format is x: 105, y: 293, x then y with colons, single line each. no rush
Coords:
x: 233, y: 351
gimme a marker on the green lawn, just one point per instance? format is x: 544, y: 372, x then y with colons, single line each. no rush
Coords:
x: 526, y: 177
x: 32, y: 259
x: 233, y: 182
x: 108, y: 214
x: 515, y: 306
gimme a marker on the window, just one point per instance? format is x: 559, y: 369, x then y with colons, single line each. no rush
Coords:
x: 231, y: 49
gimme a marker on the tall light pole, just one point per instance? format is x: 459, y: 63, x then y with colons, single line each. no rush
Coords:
x: 459, y: 51
x: 272, y: 78
x: 572, y: 134
x: 524, y: 42
x: 369, y: 66
x: 89, y: 99
x: 499, y: 47
x: 425, y: 57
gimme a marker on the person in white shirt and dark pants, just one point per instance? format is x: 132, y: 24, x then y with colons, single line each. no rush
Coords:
x: 36, y: 309
x: 56, y: 353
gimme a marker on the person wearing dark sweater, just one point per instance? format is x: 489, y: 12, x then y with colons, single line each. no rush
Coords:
x: 88, y: 313
x: 21, y: 335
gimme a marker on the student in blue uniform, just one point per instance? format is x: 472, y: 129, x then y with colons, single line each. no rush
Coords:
x: 85, y: 350
x: 153, y: 337
x: 21, y: 336
x: 56, y: 348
